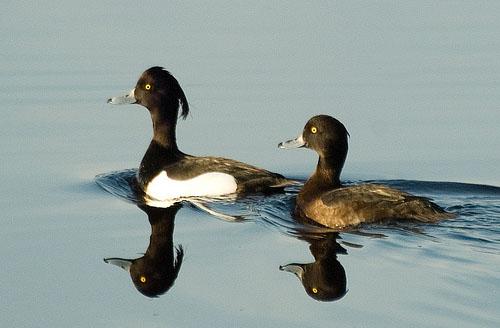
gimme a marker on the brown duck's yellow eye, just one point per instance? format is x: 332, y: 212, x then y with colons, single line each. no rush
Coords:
x: 147, y: 86
x: 315, y: 290
x: 314, y: 130
x: 143, y: 279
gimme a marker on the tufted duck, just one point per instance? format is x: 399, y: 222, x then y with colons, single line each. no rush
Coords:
x: 166, y: 172
x: 324, y: 199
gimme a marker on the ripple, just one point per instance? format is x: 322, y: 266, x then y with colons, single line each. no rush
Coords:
x: 120, y: 184
x: 477, y: 224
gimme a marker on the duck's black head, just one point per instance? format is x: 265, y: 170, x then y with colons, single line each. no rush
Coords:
x: 161, y: 94
x: 156, y: 89
x: 328, y: 137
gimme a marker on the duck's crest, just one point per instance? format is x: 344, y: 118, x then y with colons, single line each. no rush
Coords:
x: 176, y: 88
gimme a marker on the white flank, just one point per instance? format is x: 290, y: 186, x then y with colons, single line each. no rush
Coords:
x: 208, y: 184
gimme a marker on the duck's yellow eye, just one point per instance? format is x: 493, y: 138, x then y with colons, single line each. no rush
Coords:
x: 143, y: 279
x: 147, y: 86
x: 315, y: 290
x: 314, y: 129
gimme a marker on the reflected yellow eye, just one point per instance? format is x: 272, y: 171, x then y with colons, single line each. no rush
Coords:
x: 314, y: 129
x: 147, y: 86
x: 143, y: 279
x: 315, y: 290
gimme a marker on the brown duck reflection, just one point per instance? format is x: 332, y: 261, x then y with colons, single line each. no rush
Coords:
x: 155, y: 273
x: 325, y: 278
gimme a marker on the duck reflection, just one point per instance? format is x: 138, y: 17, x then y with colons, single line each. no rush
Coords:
x: 325, y: 278
x: 155, y: 273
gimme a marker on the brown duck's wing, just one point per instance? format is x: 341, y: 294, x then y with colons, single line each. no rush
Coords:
x: 375, y: 202
x: 249, y: 178
x: 365, y: 193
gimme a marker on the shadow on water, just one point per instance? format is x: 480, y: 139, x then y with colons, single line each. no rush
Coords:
x: 476, y: 225
x: 154, y: 273
x: 325, y: 278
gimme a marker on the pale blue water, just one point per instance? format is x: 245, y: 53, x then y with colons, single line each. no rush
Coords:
x: 431, y: 274
x: 416, y: 84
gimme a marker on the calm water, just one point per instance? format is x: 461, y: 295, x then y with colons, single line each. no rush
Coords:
x: 416, y: 84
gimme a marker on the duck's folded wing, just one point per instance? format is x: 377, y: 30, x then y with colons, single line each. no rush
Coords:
x: 248, y: 177
x: 376, y: 202
x: 364, y: 194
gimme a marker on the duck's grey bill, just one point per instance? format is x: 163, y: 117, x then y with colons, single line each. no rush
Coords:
x: 126, y: 99
x: 294, y: 143
x: 296, y: 269
x: 122, y: 263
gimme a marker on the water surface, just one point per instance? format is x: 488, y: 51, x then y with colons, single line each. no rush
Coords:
x: 416, y: 84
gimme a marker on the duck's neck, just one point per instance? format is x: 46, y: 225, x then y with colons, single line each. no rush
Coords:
x: 164, y: 123
x: 328, y: 170
x: 156, y: 158
x: 326, y: 177
x: 163, y: 149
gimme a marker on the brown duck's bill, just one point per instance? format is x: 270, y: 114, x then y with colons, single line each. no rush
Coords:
x: 125, y: 99
x: 294, y: 143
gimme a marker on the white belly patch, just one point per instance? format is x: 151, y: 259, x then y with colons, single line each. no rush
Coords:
x: 208, y: 184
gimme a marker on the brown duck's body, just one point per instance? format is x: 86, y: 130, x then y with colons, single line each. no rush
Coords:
x: 324, y: 200
x: 352, y: 205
